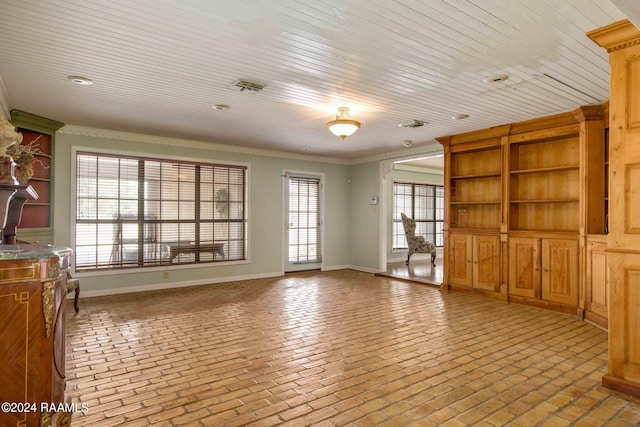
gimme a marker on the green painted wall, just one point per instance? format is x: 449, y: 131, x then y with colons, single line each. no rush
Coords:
x: 266, y: 222
x: 365, y: 218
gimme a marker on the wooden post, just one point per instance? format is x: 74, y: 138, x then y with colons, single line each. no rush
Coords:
x: 622, y: 41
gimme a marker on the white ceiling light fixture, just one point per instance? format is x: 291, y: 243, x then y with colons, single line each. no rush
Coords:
x: 343, y: 126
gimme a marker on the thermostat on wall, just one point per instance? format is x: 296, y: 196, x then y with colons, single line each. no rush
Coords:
x: 373, y: 200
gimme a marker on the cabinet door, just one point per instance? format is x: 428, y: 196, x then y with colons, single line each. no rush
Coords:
x: 524, y: 266
x: 21, y: 338
x: 560, y: 270
x: 460, y: 259
x: 596, y: 298
x: 486, y: 263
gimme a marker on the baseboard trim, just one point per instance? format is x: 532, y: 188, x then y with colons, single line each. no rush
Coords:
x: 160, y: 286
x: 621, y: 385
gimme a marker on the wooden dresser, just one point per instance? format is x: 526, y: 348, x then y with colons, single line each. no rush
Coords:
x: 32, y: 335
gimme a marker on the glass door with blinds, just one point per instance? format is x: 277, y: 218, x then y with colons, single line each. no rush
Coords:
x: 304, y: 222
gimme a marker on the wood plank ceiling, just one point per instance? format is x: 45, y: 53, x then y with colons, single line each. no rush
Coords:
x: 158, y: 66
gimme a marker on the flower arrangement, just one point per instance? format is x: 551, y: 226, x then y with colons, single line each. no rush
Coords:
x: 24, y: 156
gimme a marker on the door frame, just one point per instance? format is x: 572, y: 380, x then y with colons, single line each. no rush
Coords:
x: 285, y: 219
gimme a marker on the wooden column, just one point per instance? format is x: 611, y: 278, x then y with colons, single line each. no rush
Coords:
x: 622, y: 41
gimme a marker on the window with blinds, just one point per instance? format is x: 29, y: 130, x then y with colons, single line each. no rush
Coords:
x: 425, y: 204
x: 138, y: 212
x: 304, y: 220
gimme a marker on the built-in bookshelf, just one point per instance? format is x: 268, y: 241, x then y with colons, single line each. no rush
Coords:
x: 36, y: 213
x: 36, y: 225
x: 521, y: 200
x: 544, y: 185
x: 476, y: 189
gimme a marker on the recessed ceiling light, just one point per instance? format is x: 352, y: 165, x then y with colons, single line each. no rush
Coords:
x: 407, y: 143
x: 460, y: 117
x: 221, y: 107
x: 79, y: 80
x: 496, y: 78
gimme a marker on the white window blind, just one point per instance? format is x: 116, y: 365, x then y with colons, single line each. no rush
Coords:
x: 137, y: 212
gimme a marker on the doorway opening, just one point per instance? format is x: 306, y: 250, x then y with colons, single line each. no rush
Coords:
x: 415, y: 187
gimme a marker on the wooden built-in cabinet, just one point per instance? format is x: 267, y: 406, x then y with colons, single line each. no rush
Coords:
x: 486, y: 262
x: 622, y: 254
x: 544, y: 272
x: 36, y: 225
x: 524, y: 267
x: 475, y: 261
x: 476, y: 188
x: 520, y: 200
x: 560, y: 271
x: 544, y: 184
x: 596, y: 304
x: 474, y: 197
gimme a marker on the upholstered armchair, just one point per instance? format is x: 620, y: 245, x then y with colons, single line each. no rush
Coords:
x: 417, y: 244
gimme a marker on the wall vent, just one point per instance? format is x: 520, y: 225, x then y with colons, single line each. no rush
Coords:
x: 412, y: 125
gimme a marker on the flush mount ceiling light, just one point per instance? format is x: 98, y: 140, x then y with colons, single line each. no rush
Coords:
x: 460, y: 117
x: 79, y: 80
x: 343, y: 126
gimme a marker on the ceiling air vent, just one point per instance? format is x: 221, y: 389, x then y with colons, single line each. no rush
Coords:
x: 412, y: 125
x: 245, y: 86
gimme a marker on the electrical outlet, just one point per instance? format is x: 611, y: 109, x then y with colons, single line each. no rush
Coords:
x: 166, y: 274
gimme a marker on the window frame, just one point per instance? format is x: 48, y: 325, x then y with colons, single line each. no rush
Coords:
x: 397, y: 222
x: 93, y: 271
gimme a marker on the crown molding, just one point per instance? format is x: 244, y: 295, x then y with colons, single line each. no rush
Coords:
x: 616, y: 36
x: 186, y: 143
x: 406, y: 168
x: 32, y: 122
x: 4, y: 101
x: 430, y: 148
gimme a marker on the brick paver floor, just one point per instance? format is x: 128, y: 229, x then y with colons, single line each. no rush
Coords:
x: 334, y: 348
